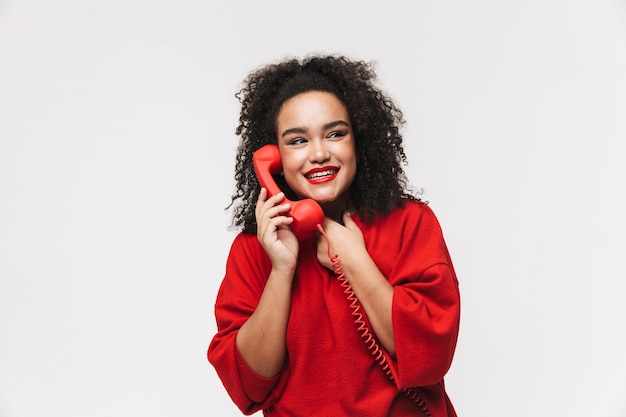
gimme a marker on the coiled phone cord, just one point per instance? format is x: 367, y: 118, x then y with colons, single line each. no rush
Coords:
x: 362, y: 328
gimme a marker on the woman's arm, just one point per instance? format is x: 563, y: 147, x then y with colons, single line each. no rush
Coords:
x: 261, y: 339
x: 370, y: 286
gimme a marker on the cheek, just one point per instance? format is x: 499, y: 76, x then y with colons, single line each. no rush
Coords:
x: 354, y: 161
x: 291, y: 174
x: 352, y: 174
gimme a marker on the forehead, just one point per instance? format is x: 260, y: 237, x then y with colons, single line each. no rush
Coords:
x: 311, y: 106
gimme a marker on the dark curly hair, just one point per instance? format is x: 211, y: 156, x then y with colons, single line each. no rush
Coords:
x: 380, y: 184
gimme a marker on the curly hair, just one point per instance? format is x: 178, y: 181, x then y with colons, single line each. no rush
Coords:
x: 380, y: 184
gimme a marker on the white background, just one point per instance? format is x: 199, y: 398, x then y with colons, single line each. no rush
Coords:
x: 117, y: 149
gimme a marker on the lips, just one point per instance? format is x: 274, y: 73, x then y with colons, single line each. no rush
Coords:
x: 323, y: 174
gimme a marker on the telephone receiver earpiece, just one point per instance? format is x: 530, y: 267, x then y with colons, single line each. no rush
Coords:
x: 306, y: 213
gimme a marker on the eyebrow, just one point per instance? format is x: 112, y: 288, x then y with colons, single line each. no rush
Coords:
x: 299, y: 130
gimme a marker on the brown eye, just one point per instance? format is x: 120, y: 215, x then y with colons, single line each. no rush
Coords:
x: 336, y: 134
x: 297, y: 141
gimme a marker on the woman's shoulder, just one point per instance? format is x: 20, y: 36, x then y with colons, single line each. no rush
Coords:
x: 408, y: 212
x: 411, y: 215
x: 246, y: 242
x: 247, y: 250
x: 414, y: 208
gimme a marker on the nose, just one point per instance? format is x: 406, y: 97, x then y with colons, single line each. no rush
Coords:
x: 318, y: 151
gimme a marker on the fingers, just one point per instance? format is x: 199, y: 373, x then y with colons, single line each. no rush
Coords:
x: 344, y: 235
x: 270, y: 213
x: 348, y: 221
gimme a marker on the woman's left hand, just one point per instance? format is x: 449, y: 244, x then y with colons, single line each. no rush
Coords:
x: 346, y: 241
x: 370, y: 286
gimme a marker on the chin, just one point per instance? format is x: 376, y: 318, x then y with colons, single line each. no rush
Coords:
x: 325, y: 200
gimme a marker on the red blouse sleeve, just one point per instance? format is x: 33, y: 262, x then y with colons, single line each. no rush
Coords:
x: 411, y: 253
x: 247, y: 269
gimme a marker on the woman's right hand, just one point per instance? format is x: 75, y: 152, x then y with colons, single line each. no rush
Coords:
x: 274, y: 231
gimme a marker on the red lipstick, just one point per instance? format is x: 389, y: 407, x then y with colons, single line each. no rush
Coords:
x: 321, y: 174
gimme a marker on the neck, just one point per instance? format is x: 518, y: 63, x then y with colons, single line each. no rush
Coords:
x: 335, y: 209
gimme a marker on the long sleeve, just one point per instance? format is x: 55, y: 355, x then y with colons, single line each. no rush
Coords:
x: 412, y: 254
x: 247, y: 269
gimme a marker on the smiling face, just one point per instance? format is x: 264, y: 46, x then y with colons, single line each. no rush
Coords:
x: 316, y: 145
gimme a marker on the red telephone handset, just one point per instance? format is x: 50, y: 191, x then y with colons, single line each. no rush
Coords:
x: 306, y: 214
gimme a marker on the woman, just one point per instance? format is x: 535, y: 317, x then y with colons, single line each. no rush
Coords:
x: 371, y: 332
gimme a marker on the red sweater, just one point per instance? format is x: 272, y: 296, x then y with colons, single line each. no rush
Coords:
x: 330, y: 371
